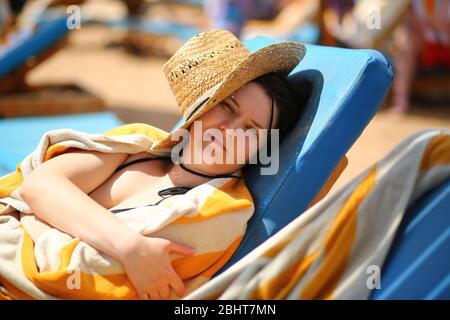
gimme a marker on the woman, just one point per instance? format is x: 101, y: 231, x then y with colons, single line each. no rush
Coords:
x: 218, y: 83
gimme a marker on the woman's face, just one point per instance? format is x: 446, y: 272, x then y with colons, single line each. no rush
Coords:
x: 247, y: 108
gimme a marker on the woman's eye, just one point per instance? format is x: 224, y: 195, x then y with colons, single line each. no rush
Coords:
x: 226, y: 105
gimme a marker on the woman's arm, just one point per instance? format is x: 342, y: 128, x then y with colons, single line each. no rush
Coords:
x: 57, y: 192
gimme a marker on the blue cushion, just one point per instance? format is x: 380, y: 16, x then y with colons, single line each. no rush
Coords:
x: 47, y: 34
x: 19, y: 136
x: 418, y: 264
x: 348, y: 87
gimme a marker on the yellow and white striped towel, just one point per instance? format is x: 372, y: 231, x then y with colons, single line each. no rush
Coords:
x: 212, y: 218
x: 327, y: 251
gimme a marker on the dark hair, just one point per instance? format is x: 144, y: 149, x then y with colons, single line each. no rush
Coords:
x: 290, y: 102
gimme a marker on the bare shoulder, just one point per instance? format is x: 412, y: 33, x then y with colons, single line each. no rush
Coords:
x: 87, y: 169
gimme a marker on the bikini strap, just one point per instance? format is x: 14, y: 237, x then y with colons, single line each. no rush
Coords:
x: 141, y: 160
x: 172, y: 191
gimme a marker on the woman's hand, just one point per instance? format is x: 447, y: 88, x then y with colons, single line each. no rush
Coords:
x: 148, y: 266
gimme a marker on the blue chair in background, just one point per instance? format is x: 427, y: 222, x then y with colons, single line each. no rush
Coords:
x: 19, y: 136
x: 27, y: 44
x: 182, y: 32
x: 308, y: 33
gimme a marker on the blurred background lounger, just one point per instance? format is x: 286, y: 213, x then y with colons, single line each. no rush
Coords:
x: 22, y: 108
x: 159, y: 27
x: 19, y: 136
x: 26, y: 49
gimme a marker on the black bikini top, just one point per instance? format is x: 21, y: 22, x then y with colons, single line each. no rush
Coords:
x: 164, y: 192
x: 141, y: 160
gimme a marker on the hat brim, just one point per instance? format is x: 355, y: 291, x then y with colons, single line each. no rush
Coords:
x: 282, y: 57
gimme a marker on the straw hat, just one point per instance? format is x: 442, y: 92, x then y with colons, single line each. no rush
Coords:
x: 215, y: 63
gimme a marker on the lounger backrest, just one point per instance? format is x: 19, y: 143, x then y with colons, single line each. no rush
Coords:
x: 348, y: 86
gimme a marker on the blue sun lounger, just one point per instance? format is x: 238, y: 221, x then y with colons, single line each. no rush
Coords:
x: 26, y: 44
x: 348, y: 86
x: 28, y: 130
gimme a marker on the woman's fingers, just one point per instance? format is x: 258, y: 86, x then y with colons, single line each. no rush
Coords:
x: 164, y: 292
x: 153, y: 275
x: 148, y: 294
x: 153, y: 294
x: 177, y: 284
x: 142, y: 295
x: 160, y: 289
x: 180, y: 248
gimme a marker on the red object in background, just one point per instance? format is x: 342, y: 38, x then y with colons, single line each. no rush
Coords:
x: 434, y: 55
x: 430, y: 20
